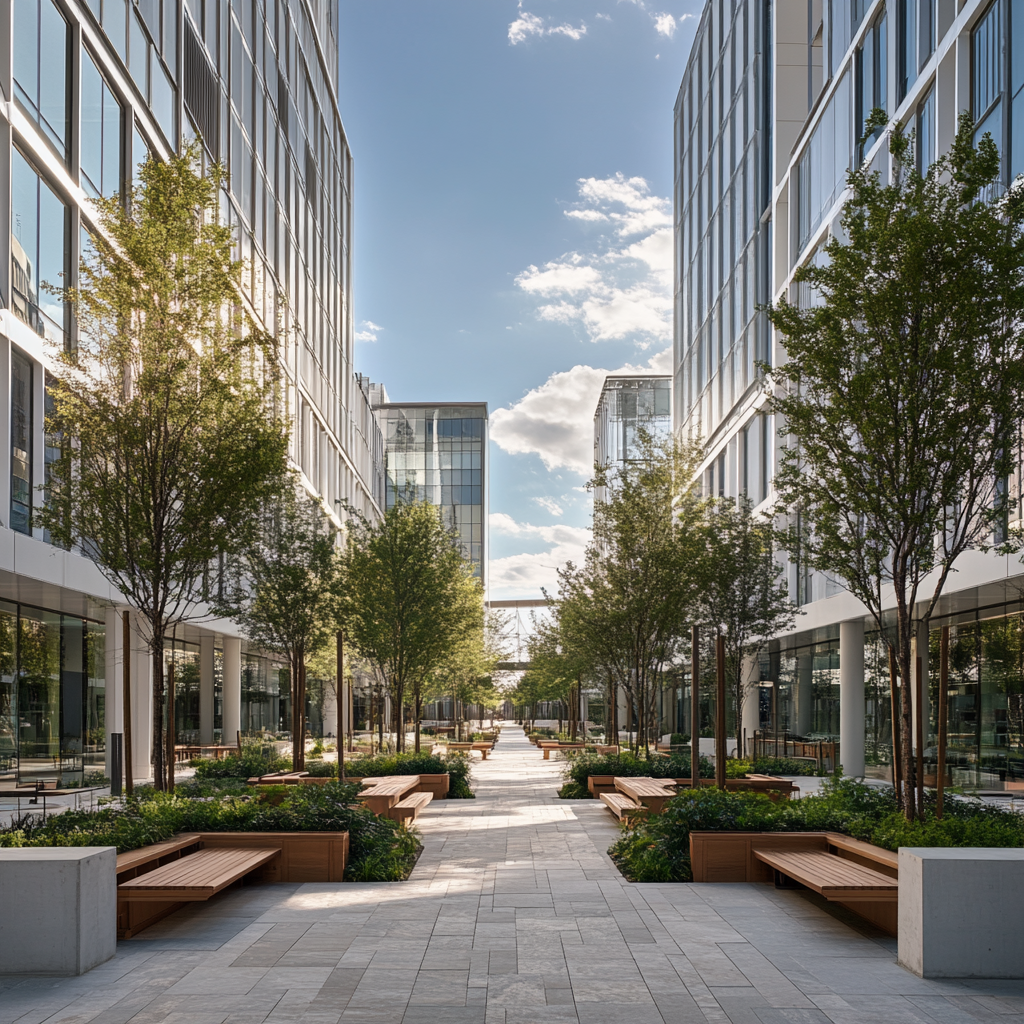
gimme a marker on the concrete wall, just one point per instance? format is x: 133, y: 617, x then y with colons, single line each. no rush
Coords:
x: 961, y: 912
x: 59, y: 909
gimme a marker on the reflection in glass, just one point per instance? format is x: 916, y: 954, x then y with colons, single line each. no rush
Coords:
x: 95, y: 735
x: 8, y: 691
x: 101, y: 132
x: 40, y: 67
x: 39, y: 691
x: 21, y: 442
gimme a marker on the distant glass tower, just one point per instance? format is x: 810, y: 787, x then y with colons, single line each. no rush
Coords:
x: 626, y: 405
x: 438, y: 453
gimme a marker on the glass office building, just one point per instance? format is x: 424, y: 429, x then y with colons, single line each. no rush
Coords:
x: 628, y: 405
x: 438, y: 453
x: 95, y: 86
x: 767, y: 123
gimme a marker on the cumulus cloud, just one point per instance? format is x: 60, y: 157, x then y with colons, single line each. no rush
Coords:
x: 665, y: 24
x: 527, y: 25
x: 528, y: 572
x: 369, y: 331
x: 556, y: 419
x: 623, y: 290
x: 549, y: 505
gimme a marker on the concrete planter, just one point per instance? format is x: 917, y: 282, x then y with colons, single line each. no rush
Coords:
x: 59, y: 911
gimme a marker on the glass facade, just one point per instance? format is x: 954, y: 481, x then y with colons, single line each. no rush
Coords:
x: 627, y: 405
x: 438, y: 453
x: 722, y: 142
x: 52, y: 694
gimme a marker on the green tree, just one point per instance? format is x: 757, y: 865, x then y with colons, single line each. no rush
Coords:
x: 404, y: 599
x: 744, y: 596
x: 166, y: 409
x: 904, y: 387
x: 285, y: 596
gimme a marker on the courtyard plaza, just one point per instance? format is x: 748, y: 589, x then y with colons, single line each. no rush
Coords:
x: 514, y: 914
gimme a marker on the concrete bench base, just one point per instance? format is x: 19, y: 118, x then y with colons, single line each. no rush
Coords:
x: 59, y: 909
x: 961, y: 912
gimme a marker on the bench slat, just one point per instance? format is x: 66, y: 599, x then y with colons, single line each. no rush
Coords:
x: 197, y: 876
x: 148, y: 854
x: 619, y: 804
x: 832, y: 877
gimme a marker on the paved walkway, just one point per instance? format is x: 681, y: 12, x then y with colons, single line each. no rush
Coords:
x: 514, y: 915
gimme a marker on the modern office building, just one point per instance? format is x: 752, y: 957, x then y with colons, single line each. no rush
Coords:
x: 767, y: 122
x: 91, y: 87
x: 437, y: 452
x: 627, y: 405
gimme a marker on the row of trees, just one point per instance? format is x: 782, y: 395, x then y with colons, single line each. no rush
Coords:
x: 168, y: 433
x: 663, y: 559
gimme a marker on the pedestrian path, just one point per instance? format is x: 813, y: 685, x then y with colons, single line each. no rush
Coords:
x: 514, y: 915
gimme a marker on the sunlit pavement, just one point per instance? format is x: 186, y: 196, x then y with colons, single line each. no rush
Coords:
x: 514, y: 914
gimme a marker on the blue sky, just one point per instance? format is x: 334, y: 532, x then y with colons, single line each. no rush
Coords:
x: 513, y: 228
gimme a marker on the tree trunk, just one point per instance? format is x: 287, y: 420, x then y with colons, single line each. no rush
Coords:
x: 903, y: 634
x: 170, y: 725
x: 418, y: 703
x: 159, y: 770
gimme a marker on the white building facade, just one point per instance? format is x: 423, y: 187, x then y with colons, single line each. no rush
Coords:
x: 89, y: 88
x: 768, y: 121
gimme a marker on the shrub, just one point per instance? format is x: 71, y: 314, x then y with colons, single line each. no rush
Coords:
x: 256, y: 758
x: 580, y: 766
x: 379, y: 849
x: 784, y: 766
x: 657, y: 849
x: 574, y: 791
x: 322, y: 769
x: 455, y: 765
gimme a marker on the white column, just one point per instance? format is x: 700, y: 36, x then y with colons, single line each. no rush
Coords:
x: 113, y: 714
x: 804, y: 693
x: 142, y: 704
x: 232, y: 694
x: 750, y: 720
x: 851, y: 697
x: 332, y: 715
x: 206, y: 680
x: 919, y: 649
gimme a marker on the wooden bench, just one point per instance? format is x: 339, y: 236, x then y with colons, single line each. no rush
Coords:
x: 382, y: 793
x: 557, y: 747
x: 197, y: 876
x: 621, y: 805
x: 833, y: 877
x: 652, y: 793
x: 604, y: 750
x: 484, y: 747
x: 410, y: 807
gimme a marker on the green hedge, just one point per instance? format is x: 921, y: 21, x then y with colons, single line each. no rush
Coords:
x: 380, y: 850
x: 783, y: 766
x: 455, y: 765
x: 579, y: 767
x: 658, y: 848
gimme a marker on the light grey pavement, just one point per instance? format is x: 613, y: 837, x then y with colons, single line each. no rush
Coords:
x: 514, y: 915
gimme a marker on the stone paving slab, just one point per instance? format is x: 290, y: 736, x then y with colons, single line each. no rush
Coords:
x: 514, y: 914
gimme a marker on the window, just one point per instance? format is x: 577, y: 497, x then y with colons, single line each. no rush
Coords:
x: 925, y: 129
x: 916, y: 28
x: 872, y: 77
x: 41, y: 44
x: 21, y: 442
x: 38, y: 250
x: 1016, y: 147
x: 101, y: 132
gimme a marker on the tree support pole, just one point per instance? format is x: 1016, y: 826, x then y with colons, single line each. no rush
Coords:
x: 695, y: 707
x: 343, y: 705
x: 720, y: 753
x: 919, y: 739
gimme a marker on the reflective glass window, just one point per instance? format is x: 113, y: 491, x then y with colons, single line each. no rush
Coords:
x: 21, y: 442
x: 101, y: 132
x: 41, y: 43
x: 39, y: 686
x: 8, y: 691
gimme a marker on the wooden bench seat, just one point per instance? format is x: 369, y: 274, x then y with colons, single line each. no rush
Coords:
x: 621, y: 805
x: 835, y: 878
x: 196, y: 877
x: 410, y: 807
x: 133, y: 862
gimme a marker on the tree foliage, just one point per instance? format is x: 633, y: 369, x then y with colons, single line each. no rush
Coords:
x: 904, y: 386
x: 170, y: 438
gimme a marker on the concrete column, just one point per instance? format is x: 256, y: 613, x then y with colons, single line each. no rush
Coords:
x: 919, y: 649
x: 232, y: 695
x: 332, y: 715
x: 142, y: 703
x: 851, y: 697
x: 804, y: 693
x: 206, y: 680
x: 113, y: 714
x: 750, y: 720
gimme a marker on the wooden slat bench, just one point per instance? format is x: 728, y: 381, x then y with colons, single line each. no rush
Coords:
x: 621, y: 805
x: 557, y: 747
x: 835, y: 878
x: 652, y: 793
x: 382, y: 793
x: 409, y: 807
x: 196, y: 877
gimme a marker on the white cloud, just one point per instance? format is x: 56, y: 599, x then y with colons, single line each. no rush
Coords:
x: 369, y: 331
x: 528, y: 572
x: 549, y: 505
x: 527, y: 25
x: 624, y: 289
x: 665, y: 24
x: 556, y: 419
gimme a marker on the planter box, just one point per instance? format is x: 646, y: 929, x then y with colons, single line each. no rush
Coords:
x: 729, y: 857
x: 59, y: 909
x: 305, y: 857
x: 437, y: 785
x: 598, y: 784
